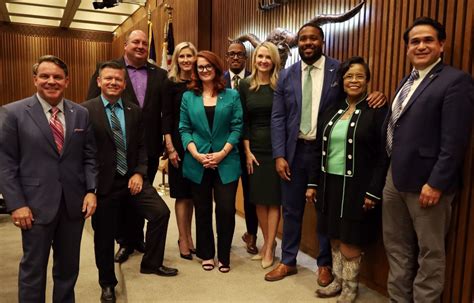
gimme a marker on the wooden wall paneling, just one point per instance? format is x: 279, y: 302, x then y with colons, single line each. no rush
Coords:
x: 185, y: 24
x: 376, y: 33
x: 21, y: 46
x: 468, y: 35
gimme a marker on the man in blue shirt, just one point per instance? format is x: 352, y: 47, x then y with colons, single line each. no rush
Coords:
x: 122, y: 160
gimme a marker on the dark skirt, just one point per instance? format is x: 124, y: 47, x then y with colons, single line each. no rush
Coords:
x: 264, y: 183
x: 350, y: 231
x: 180, y: 187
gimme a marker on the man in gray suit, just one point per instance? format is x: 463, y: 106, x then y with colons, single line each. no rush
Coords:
x: 48, y: 173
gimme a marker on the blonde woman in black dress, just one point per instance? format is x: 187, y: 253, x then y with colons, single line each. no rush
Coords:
x: 179, y: 77
x: 256, y: 93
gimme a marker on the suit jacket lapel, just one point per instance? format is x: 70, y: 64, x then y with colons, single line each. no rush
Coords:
x: 70, y: 118
x: 329, y: 72
x: 129, y: 90
x: 201, y: 113
x: 128, y: 122
x: 35, y: 110
x: 150, y: 68
x: 99, y: 111
x: 424, y: 84
x: 219, y: 105
x: 296, y: 76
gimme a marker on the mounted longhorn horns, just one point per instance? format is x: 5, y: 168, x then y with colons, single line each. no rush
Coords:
x: 286, y: 40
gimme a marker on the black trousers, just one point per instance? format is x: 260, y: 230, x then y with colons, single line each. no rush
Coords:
x: 130, y: 231
x: 251, y: 220
x: 224, y: 196
x: 149, y: 205
x: 64, y: 235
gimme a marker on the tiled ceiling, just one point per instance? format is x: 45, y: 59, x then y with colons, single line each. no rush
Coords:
x: 74, y: 14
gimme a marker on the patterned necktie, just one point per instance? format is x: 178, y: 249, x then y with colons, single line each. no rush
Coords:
x: 121, y: 154
x: 57, y: 128
x: 307, y: 102
x: 235, y: 81
x: 397, y: 109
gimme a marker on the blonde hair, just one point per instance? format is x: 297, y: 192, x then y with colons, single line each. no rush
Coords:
x: 275, y: 57
x: 175, y: 73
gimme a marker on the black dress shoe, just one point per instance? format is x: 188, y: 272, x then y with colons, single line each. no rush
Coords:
x: 187, y: 257
x: 122, y: 255
x: 140, y: 246
x: 161, y: 271
x: 108, y: 294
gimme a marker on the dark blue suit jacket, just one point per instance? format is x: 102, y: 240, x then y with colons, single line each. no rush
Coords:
x: 433, y: 131
x: 286, y: 111
x: 33, y: 173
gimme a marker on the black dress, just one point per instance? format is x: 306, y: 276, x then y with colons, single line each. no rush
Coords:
x: 264, y: 183
x: 340, y: 198
x: 180, y: 187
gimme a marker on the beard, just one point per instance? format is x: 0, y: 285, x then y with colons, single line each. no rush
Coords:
x: 310, y: 59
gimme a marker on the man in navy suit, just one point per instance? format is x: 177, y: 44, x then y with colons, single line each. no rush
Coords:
x: 48, y: 173
x: 293, y: 138
x: 427, y: 132
x: 236, y: 58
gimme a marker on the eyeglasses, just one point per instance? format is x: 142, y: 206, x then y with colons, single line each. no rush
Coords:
x: 357, y: 77
x: 239, y: 55
x: 204, y: 68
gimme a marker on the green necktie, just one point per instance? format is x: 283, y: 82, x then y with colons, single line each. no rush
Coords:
x: 306, y: 106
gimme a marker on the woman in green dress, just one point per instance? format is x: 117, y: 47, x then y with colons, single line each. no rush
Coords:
x: 256, y: 93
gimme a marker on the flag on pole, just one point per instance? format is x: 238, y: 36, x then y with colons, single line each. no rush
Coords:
x: 170, y: 41
x: 151, y: 44
x: 168, y: 45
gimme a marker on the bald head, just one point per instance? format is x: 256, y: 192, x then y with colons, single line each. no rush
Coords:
x: 136, y: 48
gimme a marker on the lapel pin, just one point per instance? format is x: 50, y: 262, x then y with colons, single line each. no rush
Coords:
x: 331, y: 70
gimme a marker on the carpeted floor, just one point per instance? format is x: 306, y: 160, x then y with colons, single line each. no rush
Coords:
x: 244, y: 283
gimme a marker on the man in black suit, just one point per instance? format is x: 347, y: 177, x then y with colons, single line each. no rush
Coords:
x: 144, y: 89
x: 427, y: 133
x: 236, y: 58
x: 122, y: 161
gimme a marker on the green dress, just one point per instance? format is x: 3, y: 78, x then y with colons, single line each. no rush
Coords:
x: 264, y: 183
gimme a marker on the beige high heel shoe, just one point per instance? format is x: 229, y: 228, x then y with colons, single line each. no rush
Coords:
x: 257, y: 257
x: 267, y: 264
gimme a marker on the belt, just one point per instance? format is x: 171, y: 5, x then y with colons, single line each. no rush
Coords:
x: 304, y: 141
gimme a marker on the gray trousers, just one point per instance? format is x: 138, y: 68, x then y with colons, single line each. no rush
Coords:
x: 414, y: 240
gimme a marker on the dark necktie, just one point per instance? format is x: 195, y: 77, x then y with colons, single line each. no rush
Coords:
x: 57, y: 128
x: 397, y: 109
x: 235, y: 81
x: 121, y: 154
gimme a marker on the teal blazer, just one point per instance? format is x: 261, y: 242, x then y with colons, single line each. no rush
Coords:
x: 227, y: 127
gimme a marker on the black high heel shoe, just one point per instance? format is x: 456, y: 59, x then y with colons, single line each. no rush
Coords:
x: 187, y: 256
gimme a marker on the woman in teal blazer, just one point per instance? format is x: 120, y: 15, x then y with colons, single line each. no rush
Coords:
x: 210, y: 127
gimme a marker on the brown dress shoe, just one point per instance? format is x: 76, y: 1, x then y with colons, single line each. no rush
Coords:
x: 325, y: 276
x: 251, y: 243
x: 280, y: 272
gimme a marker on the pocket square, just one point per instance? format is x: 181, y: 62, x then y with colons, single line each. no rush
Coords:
x: 76, y: 130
